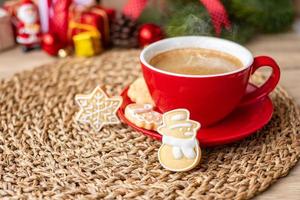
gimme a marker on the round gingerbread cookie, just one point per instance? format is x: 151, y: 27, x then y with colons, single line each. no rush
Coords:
x: 138, y: 92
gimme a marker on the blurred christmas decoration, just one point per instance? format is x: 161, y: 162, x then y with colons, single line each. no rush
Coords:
x: 194, y: 17
x: 265, y: 15
x: 140, y: 23
x: 63, y: 53
x: 44, y: 15
x: 51, y: 44
x: 7, y: 39
x: 96, y: 16
x: 134, y: 8
x: 59, y: 19
x: 127, y: 32
x: 155, y: 11
x: 86, y: 43
x: 64, y: 18
x: 11, y: 7
x: 28, y: 27
x: 124, y: 32
x: 83, y: 4
x: 149, y: 33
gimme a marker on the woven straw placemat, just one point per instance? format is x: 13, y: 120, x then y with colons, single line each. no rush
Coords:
x: 44, y: 153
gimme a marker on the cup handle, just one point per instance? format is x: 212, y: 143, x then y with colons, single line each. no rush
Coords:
x: 268, y: 86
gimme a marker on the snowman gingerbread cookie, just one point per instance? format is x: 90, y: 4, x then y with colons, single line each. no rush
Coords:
x: 180, y: 149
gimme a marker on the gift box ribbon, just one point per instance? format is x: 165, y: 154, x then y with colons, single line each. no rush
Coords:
x: 85, y: 27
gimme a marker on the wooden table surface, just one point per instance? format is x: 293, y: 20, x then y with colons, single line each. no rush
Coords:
x: 285, y: 48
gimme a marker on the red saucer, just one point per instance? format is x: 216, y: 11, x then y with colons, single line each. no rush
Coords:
x: 243, y: 122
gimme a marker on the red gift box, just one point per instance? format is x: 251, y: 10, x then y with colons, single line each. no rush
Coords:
x: 96, y: 16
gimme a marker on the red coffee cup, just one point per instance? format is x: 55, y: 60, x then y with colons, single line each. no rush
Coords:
x: 209, y: 98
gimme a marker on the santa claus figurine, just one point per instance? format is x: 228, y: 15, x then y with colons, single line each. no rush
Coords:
x: 28, y: 28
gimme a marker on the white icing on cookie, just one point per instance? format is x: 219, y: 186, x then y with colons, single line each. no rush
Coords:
x: 152, y: 117
x: 188, y: 134
x: 144, y: 113
x: 177, y: 153
x: 189, y: 153
x: 145, y: 108
x: 180, y: 125
x: 178, y: 117
x: 185, y: 146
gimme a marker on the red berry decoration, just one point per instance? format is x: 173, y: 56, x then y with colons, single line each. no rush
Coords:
x: 149, y: 33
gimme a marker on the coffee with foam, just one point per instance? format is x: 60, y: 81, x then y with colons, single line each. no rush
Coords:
x: 196, y: 61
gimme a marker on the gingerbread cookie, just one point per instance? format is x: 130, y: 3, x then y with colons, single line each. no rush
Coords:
x: 138, y: 92
x: 97, y: 109
x: 143, y: 116
x: 180, y: 149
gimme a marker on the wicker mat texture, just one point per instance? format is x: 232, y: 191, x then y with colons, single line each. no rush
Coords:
x: 44, y: 153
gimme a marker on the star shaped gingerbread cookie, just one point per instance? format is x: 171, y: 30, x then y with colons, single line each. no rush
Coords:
x: 97, y: 110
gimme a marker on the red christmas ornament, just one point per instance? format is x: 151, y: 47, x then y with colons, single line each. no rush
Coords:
x: 149, y: 33
x: 51, y: 44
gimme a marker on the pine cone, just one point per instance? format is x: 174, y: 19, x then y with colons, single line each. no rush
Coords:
x: 124, y: 32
